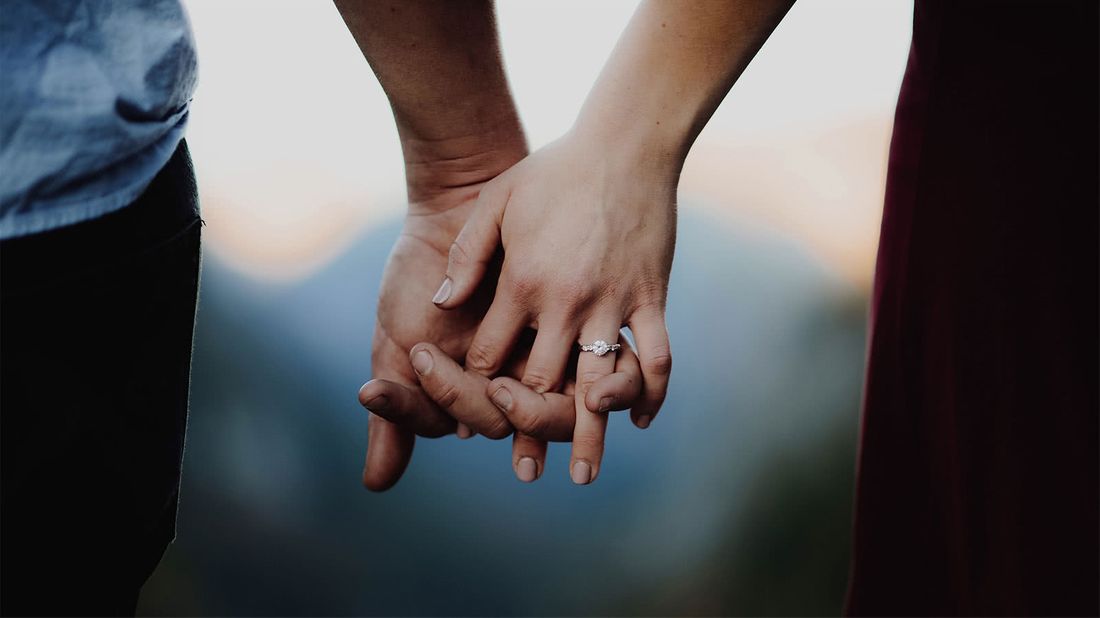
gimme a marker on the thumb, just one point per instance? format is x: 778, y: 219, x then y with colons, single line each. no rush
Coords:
x: 474, y: 248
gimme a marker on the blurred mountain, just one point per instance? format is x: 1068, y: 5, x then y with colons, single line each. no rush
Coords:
x: 736, y: 500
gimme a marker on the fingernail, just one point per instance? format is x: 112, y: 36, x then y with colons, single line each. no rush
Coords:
x: 463, y: 432
x: 605, y: 403
x: 503, y: 399
x: 377, y: 402
x: 644, y: 420
x: 526, y: 469
x: 422, y: 362
x: 581, y: 473
x: 444, y: 291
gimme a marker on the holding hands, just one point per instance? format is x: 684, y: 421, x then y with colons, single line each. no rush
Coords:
x: 418, y: 389
x: 513, y: 276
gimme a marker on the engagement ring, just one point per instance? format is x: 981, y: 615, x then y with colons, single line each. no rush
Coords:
x: 600, y: 347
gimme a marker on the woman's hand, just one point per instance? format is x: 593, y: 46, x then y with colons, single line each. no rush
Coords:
x: 588, y: 229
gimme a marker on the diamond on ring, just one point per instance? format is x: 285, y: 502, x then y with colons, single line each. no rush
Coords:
x: 600, y: 347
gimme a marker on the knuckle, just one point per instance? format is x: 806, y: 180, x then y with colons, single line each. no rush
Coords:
x: 529, y: 422
x: 651, y: 294
x: 614, y: 403
x: 539, y: 379
x: 461, y: 255
x: 586, y: 379
x: 446, y: 395
x: 658, y: 361
x: 498, y: 429
x: 537, y: 426
x: 574, y: 293
x: 457, y: 256
x: 481, y: 357
x: 589, y: 445
x: 524, y: 287
x: 528, y: 417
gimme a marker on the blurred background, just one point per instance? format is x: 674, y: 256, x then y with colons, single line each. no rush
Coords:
x: 736, y: 501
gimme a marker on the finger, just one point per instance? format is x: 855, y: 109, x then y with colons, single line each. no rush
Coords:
x: 655, y: 357
x: 545, y: 416
x: 546, y: 363
x: 406, y: 406
x: 517, y: 360
x: 473, y: 248
x: 619, y: 390
x: 463, y: 431
x: 528, y: 457
x: 389, y: 448
x: 496, y: 335
x: 461, y: 393
x: 588, y: 433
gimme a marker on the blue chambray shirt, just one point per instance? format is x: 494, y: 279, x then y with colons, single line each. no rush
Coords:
x: 94, y: 97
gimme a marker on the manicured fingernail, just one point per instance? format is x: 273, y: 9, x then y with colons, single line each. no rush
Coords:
x: 605, y: 403
x: 463, y: 432
x: 526, y: 469
x: 422, y: 362
x: 378, y: 402
x: 444, y: 291
x: 581, y: 473
x: 644, y: 420
x: 503, y: 399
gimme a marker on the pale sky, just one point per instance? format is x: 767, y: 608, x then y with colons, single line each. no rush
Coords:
x: 297, y: 155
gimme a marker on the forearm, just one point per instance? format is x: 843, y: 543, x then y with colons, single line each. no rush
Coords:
x: 440, y: 66
x: 670, y: 70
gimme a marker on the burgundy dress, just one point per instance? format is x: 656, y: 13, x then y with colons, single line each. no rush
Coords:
x: 977, y: 484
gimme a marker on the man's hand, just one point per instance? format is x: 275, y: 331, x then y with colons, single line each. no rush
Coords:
x: 439, y: 63
x: 406, y: 318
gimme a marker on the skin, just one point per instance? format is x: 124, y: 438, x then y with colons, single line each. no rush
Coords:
x: 439, y: 64
x: 588, y: 224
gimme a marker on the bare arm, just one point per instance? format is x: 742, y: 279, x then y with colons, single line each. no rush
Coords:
x: 672, y: 68
x: 440, y: 65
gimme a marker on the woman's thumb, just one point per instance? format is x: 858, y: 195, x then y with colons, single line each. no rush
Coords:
x: 472, y: 250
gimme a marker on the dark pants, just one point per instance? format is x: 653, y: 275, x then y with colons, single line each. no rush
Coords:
x: 96, y: 324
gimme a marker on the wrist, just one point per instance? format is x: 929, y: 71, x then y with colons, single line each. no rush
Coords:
x: 634, y: 147
x: 641, y: 135
x: 439, y: 168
